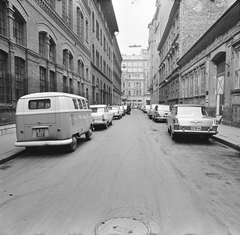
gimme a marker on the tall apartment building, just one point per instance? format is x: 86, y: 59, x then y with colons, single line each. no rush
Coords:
x: 56, y: 45
x: 135, y: 74
x: 156, y: 29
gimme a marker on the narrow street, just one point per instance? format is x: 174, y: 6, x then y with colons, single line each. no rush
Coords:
x: 132, y: 170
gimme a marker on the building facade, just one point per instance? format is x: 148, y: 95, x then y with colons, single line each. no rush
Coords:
x: 156, y: 29
x: 210, y: 70
x: 134, y: 76
x: 48, y: 46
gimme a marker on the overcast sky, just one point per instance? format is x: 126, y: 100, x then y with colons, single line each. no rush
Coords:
x: 133, y: 17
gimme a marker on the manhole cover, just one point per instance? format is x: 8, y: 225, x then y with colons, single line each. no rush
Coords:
x: 121, y: 226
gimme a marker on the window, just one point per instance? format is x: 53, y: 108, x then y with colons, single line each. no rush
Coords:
x: 80, y: 68
x: 20, y: 82
x: 65, y: 58
x: 42, y: 43
x: 43, y: 79
x: 93, y: 54
x: 237, y: 68
x: 93, y: 22
x: 4, y: 94
x: 97, y: 29
x: 52, y: 47
x: 2, y: 18
x: 80, y: 104
x: 18, y: 27
x: 71, y: 62
x: 87, y: 74
x: 202, y: 79
x: 87, y: 30
x: 53, y: 82
x: 79, y: 24
x: 71, y: 85
x: 97, y: 59
x: 65, y: 85
x: 39, y: 104
x: 67, y: 12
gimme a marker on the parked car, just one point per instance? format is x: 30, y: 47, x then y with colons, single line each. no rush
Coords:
x: 116, y: 111
x: 191, y: 119
x: 101, y: 116
x: 150, y: 111
x: 52, y: 118
x: 160, y: 113
x: 146, y: 108
x: 122, y: 110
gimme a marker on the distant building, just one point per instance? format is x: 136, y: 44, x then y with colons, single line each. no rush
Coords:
x: 134, y: 79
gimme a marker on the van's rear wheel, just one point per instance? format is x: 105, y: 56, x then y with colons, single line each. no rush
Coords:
x: 88, y: 135
x: 72, y: 147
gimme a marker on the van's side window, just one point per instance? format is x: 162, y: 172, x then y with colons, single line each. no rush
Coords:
x: 85, y: 106
x: 39, y: 104
x: 75, y: 103
x: 80, y: 104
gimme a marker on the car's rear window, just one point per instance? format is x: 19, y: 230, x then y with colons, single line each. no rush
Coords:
x: 39, y: 104
x: 97, y: 110
x: 164, y: 108
x: 192, y: 111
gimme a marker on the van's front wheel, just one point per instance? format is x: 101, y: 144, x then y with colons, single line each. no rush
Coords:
x: 72, y: 147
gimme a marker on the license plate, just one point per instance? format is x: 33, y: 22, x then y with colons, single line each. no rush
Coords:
x: 40, y: 132
x: 195, y: 128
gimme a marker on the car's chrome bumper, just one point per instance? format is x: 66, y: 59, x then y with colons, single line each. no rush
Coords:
x: 195, y: 132
x: 42, y: 143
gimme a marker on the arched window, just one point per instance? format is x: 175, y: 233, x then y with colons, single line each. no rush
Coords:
x: 18, y: 27
x: 52, y: 50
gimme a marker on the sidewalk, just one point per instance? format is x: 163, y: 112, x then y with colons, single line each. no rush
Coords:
x: 227, y: 135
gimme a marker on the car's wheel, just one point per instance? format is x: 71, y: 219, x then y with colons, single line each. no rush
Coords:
x: 72, y: 147
x: 88, y: 135
x: 172, y: 134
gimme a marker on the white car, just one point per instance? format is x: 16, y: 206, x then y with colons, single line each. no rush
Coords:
x: 101, y: 116
x: 191, y: 119
x: 160, y: 113
x: 151, y: 109
x: 116, y: 111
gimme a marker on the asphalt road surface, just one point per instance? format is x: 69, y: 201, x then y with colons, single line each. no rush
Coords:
x: 129, y: 179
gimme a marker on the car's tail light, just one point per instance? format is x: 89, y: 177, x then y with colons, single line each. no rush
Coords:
x: 176, y: 124
x: 103, y: 118
x: 214, y: 122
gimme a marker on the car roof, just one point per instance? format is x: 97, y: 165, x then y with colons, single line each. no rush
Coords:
x: 189, y: 105
x: 98, y: 105
x: 50, y: 94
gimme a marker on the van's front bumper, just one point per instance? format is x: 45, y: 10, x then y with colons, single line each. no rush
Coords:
x: 43, y: 143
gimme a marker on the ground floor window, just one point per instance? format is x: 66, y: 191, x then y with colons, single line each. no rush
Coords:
x: 4, y: 94
x: 20, y: 81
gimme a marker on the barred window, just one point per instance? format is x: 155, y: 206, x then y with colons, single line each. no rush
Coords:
x: 53, y: 81
x: 20, y: 81
x: 2, y: 18
x: 18, y: 28
x: 4, y: 94
x: 43, y: 79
